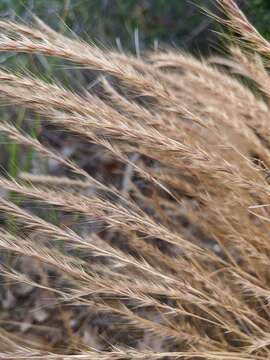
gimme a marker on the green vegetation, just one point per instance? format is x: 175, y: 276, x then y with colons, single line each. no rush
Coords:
x: 259, y: 11
x: 166, y: 21
x: 107, y: 20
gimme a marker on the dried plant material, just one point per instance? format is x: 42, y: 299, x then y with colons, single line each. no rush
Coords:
x: 160, y: 248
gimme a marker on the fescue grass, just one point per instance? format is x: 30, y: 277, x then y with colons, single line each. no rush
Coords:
x: 163, y: 252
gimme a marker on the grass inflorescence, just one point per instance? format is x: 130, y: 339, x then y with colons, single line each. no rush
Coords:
x: 148, y: 238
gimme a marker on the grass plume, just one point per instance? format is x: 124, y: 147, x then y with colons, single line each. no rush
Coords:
x: 168, y: 256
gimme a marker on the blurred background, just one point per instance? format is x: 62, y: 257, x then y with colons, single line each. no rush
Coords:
x: 114, y: 23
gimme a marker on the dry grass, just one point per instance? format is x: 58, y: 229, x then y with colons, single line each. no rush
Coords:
x: 171, y: 261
